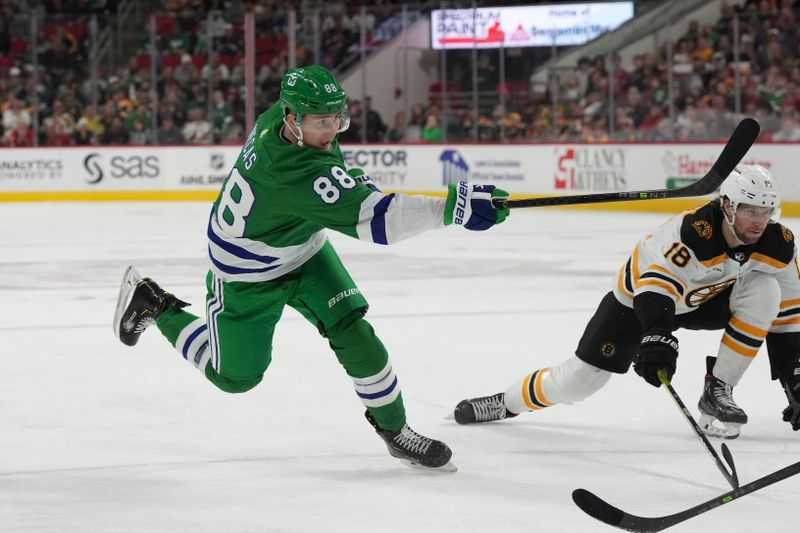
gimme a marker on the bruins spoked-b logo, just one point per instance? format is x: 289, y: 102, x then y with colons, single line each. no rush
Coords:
x: 703, y: 294
x: 787, y: 233
x: 703, y: 228
x: 608, y: 349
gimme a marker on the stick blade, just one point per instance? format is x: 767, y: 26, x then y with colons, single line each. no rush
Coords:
x: 597, y: 508
x: 726, y: 453
x: 740, y: 142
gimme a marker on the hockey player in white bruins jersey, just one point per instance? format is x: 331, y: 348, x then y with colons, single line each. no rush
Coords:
x: 726, y: 265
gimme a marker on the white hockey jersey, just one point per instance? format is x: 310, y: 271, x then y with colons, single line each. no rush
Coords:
x: 688, y: 260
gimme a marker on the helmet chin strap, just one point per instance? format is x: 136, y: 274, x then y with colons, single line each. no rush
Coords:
x: 297, y: 133
x: 730, y: 222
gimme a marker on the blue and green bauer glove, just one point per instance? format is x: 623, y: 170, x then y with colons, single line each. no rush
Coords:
x: 471, y: 206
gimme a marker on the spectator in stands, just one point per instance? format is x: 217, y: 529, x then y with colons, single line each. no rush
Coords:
x: 59, y: 116
x: 83, y: 136
x: 488, y: 77
x: 139, y: 135
x: 176, y: 41
x: 56, y: 136
x: 141, y: 114
x: 115, y: 132
x: 397, y: 132
x: 15, y: 83
x: 232, y: 131
x: 654, y: 116
x: 169, y: 133
x: 197, y: 96
x: 354, y: 133
x: 376, y: 129
x: 55, y: 58
x: 185, y: 72
x: 337, y: 32
x: 625, y: 131
x: 15, y: 114
x: 21, y: 135
x: 122, y: 104
x: 197, y: 130
x: 416, y: 123
x: 789, y: 130
x: 215, y: 67
x: 220, y: 112
x: 432, y: 132
x: 5, y: 38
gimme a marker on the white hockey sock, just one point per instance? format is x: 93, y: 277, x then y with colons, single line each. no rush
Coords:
x: 378, y: 390
x: 527, y: 394
x: 192, y: 344
x: 738, y: 347
x: 570, y: 381
x: 755, y: 302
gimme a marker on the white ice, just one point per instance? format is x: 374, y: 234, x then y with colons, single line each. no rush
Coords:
x: 99, y: 437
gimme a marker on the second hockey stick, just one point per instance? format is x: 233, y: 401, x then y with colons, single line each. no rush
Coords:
x: 731, y: 476
x: 737, y: 146
x: 605, y: 512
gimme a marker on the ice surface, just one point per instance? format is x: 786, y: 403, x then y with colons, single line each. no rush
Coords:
x: 99, y: 437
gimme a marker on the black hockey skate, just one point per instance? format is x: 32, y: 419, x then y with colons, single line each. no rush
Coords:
x: 717, y: 405
x: 139, y: 303
x: 415, y: 449
x: 483, y: 409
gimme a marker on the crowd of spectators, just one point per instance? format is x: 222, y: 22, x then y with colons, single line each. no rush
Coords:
x: 197, y: 97
x: 575, y: 104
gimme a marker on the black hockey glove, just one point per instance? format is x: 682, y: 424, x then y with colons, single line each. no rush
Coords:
x: 790, y: 379
x: 658, y: 350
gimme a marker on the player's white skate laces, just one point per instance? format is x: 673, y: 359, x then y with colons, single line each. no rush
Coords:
x: 414, y: 449
x: 479, y: 410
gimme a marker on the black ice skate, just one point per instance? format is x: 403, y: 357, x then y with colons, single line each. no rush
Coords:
x: 483, y: 409
x: 719, y: 414
x: 139, y: 303
x: 415, y: 449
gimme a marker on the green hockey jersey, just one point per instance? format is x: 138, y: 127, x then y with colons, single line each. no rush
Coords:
x: 273, y: 208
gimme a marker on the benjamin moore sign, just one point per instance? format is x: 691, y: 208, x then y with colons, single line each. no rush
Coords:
x: 548, y: 25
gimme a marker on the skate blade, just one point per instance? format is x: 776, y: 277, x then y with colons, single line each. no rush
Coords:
x: 129, y: 281
x: 450, y: 416
x: 449, y: 467
x: 718, y: 429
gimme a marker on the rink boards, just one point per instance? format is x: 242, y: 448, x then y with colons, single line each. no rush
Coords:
x: 195, y: 173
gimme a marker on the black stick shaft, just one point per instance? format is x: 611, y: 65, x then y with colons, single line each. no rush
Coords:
x: 731, y: 476
x: 598, y: 508
x: 737, y: 146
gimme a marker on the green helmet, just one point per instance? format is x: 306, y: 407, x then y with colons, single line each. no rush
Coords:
x: 312, y: 90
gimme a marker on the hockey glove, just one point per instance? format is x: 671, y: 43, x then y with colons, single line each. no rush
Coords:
x: 790, y: 379
x: 658, y: 350
x: 471, y: 206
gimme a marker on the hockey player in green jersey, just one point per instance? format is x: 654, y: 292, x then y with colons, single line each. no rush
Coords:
x: 268, y: 249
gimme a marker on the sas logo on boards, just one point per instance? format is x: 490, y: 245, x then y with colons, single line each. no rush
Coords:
x: 118, y: 167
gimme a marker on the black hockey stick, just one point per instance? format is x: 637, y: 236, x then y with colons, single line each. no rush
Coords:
x: 605, y: 512
x: 740, y: 142
x: 731, y: 476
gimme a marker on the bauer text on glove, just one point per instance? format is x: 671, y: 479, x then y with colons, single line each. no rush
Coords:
x: 471, y: 206
x: 658, y: 350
